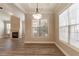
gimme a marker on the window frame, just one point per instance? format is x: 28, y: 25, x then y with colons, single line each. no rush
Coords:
x: 7, y: 28
x: 69, y: 30
x: 37, y: 27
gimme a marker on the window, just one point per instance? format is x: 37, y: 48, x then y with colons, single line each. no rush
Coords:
x: 69, y: 25
x: 64, y: 18
x: 63, y: 32
x: 63, y: 24
x: 8, y: 28
x: 40, y: 28
x: 74, y: 25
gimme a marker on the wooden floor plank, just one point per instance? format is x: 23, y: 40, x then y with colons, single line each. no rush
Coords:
x: 14, y: 47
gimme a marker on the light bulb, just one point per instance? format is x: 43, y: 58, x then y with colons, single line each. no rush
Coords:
x: 37, y: 16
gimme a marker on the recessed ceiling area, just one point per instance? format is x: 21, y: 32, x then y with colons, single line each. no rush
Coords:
x: 19, y: 9
x: 43, y: 7
x: 30, y: 7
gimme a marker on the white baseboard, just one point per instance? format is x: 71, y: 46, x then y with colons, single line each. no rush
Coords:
x: 62, y: 49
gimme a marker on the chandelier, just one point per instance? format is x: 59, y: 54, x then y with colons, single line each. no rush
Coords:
x: 37, y: 15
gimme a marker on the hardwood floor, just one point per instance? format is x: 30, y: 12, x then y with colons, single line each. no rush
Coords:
x: 15, y: 47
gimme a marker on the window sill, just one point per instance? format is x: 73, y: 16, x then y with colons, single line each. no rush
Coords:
x: 69, y: 45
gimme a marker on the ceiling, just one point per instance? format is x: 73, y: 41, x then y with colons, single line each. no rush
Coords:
x: 19, y: 9
x: 8, y: 10
x: 30, y: 7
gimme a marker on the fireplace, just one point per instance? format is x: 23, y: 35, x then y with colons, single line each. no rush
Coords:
x: 14, y: 34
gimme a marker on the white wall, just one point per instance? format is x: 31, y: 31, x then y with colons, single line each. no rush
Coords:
x: 1, y: 28
x: 4, y: 18
x: 13, y: 10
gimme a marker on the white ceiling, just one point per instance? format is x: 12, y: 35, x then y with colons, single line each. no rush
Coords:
x: 8, y: 10
x: 18, y: 8
x: 30, y: 7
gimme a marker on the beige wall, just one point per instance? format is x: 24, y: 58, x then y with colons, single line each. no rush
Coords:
x: 28, y: 30
x: 67, y: 49
x: 15, y: 24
